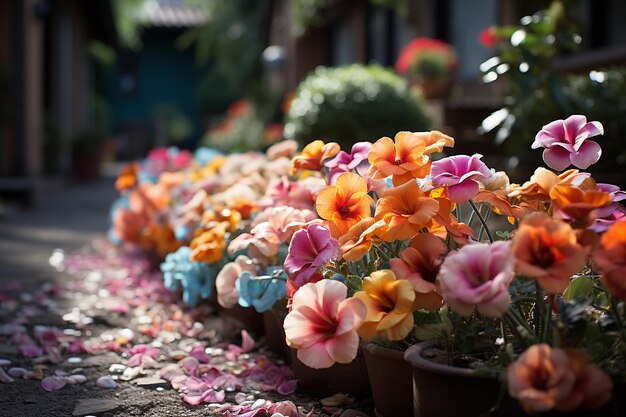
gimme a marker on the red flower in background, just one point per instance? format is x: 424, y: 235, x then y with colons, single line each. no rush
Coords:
x: 411, y: 52
x: 488, y: 37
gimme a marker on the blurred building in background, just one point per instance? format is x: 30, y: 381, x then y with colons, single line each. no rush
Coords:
x: 48, y: 81
x: 71, y: 89
x: 152, y: 90
x: 360, y: 31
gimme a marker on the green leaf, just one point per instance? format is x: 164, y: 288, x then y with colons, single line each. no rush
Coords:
x: 580, y: 287
x: 354, y: 282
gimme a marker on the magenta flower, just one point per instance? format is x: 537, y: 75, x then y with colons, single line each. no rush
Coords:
x: 323, y: 323
x: 345, y: 162
x: 461, y: 174
x: 565, y: 142
x: 309, y: 249
x: 478, y: 276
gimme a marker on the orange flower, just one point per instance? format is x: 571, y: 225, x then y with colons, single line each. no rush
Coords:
x: 127, y: 178
x: 444, y: 223
x: 578, y: 206
x: 358, y: 240
x: 546, y: 249
x: 128, y: 225
x: 545, y: 378
x: 344, y: 204
x: 390, y: 305
x: 434, y: 141
x: 610, y: 257
x: 542, y: 182
x: 405, y: 210
x: 404, y: 160
x: 419, y: 264
x: 313, y: 155
x: 160, y: 239
x: 501, y: 204
x: 209, y: 246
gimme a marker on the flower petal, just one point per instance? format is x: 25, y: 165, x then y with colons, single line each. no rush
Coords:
x: 556, y: 158
x: 588, y: 154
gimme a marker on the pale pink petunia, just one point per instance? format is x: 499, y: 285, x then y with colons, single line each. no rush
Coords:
x: 283, y: 220
x: 462, y: 176
x: 566, y: 142
x: 309, y: 249
x: 227, y: 293
x: 322, y: 324
x: 478, y: 276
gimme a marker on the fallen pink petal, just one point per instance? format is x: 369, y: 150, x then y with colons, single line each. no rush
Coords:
x: 53, y: 383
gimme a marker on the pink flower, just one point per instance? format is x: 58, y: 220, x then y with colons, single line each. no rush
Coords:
x: 309, y: 249
x: 227, y: 293
x: 461, y: 174
x: 345, y: 162
x: 565, y: 142
x: 322, y: 324
x: 478, y: 275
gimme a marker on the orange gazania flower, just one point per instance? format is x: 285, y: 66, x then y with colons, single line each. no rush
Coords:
x: 127, y: 178
x: 390, y: 305
x: 610, y: 256
x: 578, y: 206
x: 344, y: 204
x: 404, y: 209
x: 419, y: 264
x: 313, y: 155
x: 209, y: 246
x: 404, y: 160
x: 546, y: 249
x: 359, y: 239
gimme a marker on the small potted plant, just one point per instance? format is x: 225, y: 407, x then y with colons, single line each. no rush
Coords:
x: 429, y: 64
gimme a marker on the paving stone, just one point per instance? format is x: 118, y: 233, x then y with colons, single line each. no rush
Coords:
x: 151, y: 382
x: 94, y: 406
x: 353, y: 413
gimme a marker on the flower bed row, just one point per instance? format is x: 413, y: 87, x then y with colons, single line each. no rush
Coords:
x: 396, y: 243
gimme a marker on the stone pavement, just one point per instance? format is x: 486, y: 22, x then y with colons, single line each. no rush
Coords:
x: 70, y: 217
x: 63, y: 216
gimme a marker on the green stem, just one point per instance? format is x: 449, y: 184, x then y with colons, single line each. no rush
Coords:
x: 382, y: 253
x: 471, y: 218
x: 483, y: 221
x: 390, y: 249
x: 618, y: 317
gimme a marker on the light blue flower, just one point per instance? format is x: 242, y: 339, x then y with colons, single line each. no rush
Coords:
x: 205, y: 155
x: 261, y: 292
x: 196, y: 278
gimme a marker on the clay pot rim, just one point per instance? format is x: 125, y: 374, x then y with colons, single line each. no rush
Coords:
x: 413, y: 355
x: 377, y: 350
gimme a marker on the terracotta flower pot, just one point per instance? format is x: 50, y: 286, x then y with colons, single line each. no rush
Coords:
x: 391, y: 380
x: 244, y: 318
x: 441, y: 390
x: 348, y: 378
x: 275, y: 333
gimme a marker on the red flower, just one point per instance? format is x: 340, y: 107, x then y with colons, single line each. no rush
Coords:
x: 488, y: 37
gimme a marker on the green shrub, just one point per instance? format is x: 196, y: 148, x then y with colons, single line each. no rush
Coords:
x: 353, y: 103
